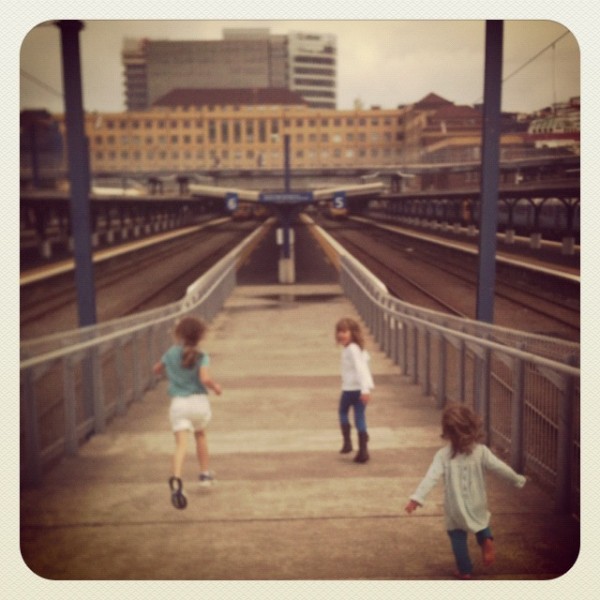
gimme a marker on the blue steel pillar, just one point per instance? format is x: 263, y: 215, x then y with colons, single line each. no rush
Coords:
x: 78, y: 171
x: 490, y: 171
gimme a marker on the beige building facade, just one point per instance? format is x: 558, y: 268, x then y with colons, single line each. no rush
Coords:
x: 241, y: 137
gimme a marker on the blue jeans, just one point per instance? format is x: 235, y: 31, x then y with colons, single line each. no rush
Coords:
x: 352, y: 399
x: 458, y: 539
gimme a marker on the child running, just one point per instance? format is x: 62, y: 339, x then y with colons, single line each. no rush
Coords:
x: 357, y: 384
x: 462, y: 464
x: 189, y: 381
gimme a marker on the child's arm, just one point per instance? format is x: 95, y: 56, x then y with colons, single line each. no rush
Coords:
x: 158, y: 368
x: 494, y: 464
x: 411, y: 506
x: 433, y: 475
x: 208, y: 382
x: 360, y: 364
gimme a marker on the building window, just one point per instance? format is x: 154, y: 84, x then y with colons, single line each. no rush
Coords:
x: 262, y: 131
x: 212, y: 132
x: 224, y: 132
x: 237, y: 132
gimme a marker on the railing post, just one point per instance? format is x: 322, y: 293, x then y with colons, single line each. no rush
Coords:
x: 121, y: 403
x: 461, y: 370
x: 71, y: 441
x: 415, y: 373
x: 484, y: 392
x: 397, y: 326
x: 441, y: 387
x: 517, y: 455
x: 426, y: 363
x: 404, y: 348
x: 136, y: 367
x: 99, y: 408
x: 33, y: 463
x: 565, y: 445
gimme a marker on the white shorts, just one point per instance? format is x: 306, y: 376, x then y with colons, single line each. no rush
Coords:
x: 190, y: 412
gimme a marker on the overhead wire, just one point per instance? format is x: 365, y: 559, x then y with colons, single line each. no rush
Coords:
x: 43, y: 85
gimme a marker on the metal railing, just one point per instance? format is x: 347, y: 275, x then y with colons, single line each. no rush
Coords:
x: 525, y: 387
x: 74, y: 382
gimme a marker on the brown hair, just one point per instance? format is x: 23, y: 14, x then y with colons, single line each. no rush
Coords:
x: 462, y: 427
x: 348, y: 324
x: 189, y: 331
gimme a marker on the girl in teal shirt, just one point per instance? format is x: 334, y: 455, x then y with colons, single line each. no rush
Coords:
x: 189, y: 381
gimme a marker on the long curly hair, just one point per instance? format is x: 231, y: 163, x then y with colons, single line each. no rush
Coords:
x: 190, y: 331
x: 356, y: 334
x: 462, y: 427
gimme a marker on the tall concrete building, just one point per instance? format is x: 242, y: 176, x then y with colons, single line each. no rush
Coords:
x: 312, y: 68
x: 244, y: 58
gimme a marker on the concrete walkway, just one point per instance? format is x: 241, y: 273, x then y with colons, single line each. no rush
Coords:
x: 287, y: 505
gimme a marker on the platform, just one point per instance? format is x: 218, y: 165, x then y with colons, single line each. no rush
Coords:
x: 286, y: 505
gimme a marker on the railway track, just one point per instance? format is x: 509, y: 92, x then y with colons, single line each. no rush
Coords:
x: 128, y: 283
x: 422, y: 274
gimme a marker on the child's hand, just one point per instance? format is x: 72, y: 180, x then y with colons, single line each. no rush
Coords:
x: 217, y: 388
x: 411, y: 506
x: 365, y: 398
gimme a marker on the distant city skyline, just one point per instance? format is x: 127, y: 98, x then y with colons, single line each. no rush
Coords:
x: 383, y: 63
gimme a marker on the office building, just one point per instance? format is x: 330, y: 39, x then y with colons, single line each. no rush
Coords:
x: 244, y: 58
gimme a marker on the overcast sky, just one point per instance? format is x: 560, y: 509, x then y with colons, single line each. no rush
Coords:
x: 385, y: 63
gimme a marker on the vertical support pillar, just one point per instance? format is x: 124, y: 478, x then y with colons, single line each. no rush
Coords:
x: 78, y: 171
x: 490, y: 171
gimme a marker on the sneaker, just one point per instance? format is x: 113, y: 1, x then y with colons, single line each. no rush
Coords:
x: 206, y: 479
x: 178, y: 498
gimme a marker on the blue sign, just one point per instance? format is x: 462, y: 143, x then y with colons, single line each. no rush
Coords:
x: 286, y: 197
x: 231, y: 201
x: 339, y: 200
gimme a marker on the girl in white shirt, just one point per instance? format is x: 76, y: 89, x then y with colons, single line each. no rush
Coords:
x: 357, y: 384
x: 462, y: 465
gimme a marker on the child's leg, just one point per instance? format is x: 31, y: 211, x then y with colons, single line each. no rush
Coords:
x: 344, y: 407
x: 359, y: 415
x: 180, y: 448
x: 458, y: 539
x: 486, y: 540
x: 202, y: 450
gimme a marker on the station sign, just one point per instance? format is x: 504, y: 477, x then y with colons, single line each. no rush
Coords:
x: 231, y: 201
x: 286, y: 197
x: 339, y: 200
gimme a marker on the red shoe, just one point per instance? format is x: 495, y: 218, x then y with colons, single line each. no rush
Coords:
x: 460, y: 575
x: 488, y: 552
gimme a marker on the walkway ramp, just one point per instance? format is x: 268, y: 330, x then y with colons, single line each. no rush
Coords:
x: 286, y: 505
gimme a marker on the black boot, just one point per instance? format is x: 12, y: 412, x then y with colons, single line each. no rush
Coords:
x: 347, y: 447
x: 362, y: 455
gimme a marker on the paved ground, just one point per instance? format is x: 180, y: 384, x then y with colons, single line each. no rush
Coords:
x: 287, y: 505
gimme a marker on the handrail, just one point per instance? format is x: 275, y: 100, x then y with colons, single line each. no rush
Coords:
x: 529, y: 401
x: 91, y: 371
